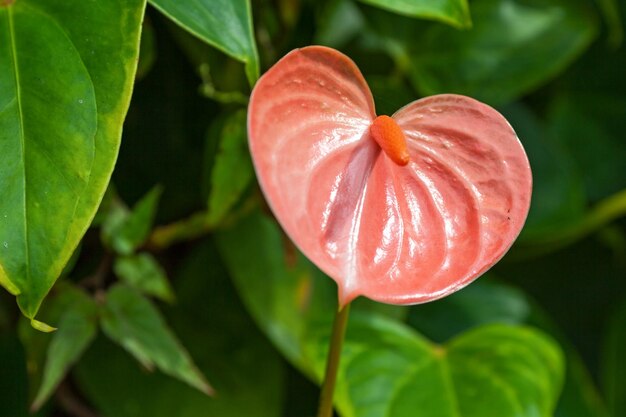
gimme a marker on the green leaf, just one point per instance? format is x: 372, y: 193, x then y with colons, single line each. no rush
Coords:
x: 77, y: 328
x: 340, y: 22
x: 513, y: 47
x: 246, y: 371
x: 453, y: 12
x: 125, y: 231
x: 387, y: 369
x: 483, y: 302
x: 132, y: 321
x: 559, y: 198
x: 147, y: 51
x: 66, y: 74
x: 613, y: 20
x: 232, y: 170
x: 488, y: 301
x: 144, y: 273
x: 589, y: 127
x: 225, y: 24
x: 614, y: 363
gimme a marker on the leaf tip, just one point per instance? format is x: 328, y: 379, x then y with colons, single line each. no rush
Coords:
x: 41, y: 326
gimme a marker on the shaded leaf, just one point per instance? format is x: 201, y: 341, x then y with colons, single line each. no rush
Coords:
x: 225, y: 24
x: 559, y: 198
x: 453, y: 12
x: 387, y: 368
x: 132, y: 321
x: 513, y: 47
x: 144, y: 273
x: 147, y: 51
x: 614, y: 363
x: 246, y: 371
x: 77, y: 328
x: 125, y: 231
x: 232, y: 170
x: 73, y: 83
x: 340, y: 22
x: 590, y: 129
x: 482, y: 303
x: 65, y: 297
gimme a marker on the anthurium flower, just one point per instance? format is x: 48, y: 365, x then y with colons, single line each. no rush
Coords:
x: 402, y: 209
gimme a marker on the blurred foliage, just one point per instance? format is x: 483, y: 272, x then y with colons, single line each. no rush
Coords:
x: 183, y: 277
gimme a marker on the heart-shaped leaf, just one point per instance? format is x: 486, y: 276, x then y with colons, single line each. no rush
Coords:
x: 387, y: 369
x: 66, y: 73
x: 392, y: 231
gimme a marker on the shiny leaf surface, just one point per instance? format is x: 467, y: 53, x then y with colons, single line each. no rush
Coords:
x: 225, y: 24
x: 64, y: 91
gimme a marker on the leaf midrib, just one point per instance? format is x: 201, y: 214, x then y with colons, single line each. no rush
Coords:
x: 18, y: 98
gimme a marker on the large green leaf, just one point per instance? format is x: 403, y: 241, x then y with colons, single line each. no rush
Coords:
x: 453, y: 12
x: 387, y: 369
x: 246, y: 371
x: 66, y: 74
x: 225, y: 24
x: 513, y: 47
x: 135, y: 324
x: 488, y: 301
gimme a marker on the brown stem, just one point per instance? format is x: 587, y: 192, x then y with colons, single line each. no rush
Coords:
x: 71, y: 403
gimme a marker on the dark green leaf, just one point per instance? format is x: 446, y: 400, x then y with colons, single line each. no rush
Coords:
x: 614, y: 363
x: 452, y: 12
x: 483, y: 302
x: 340, y: 22
x: 66, y: 74
x: 245, y: 370
x: 144, y: 273
x: 77, y: 328
x: 147, y: 51
x: 513, y: 47
x: 225, y: 24
x: 387, y: 368
x: 613, y: 20
x: 126, y: 231
x: 590, y: 128
x: 232, y: 170
x: 559, y: 198
x: 132, y: 321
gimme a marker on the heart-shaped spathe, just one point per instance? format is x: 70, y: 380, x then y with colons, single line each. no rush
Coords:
x: 395, y: 232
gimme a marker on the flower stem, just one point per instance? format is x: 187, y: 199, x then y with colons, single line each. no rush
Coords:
x: 332, y: 362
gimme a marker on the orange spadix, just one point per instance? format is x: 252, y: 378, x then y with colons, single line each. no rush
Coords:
x: 390, y: 138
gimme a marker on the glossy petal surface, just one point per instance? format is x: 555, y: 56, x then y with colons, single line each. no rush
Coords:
x: 395, y: 234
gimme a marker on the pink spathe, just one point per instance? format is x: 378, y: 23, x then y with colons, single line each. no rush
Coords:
x: 392, y: 233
